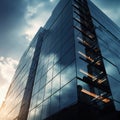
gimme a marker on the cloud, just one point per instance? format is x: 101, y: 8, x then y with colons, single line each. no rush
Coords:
x: 37, y: 13
x: 7, y: 69
x: 12, y: 16
x: 20, y: 20
x: 11, y: 25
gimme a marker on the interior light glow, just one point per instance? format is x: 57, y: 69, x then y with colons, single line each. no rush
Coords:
x: 105, y: 100
x: 87, y: 57
x: 83, y: 41
x: 88, y: 74
x: 101, y: 81
x: 98, y: 62
x: 94, y: 78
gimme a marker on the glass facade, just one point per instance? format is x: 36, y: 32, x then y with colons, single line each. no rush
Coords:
x: 108, y: 34
x: 16, y: 91
x: 92, y: 80
x: 71, y: 65
x: 55, y: 84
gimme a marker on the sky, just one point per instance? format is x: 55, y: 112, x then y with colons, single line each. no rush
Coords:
x: 20, y: 20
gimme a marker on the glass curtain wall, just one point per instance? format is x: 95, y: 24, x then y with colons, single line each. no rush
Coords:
x: 12, y: 104
x: 93, y: 86
x: 108, y: 34
x: 55, y: 84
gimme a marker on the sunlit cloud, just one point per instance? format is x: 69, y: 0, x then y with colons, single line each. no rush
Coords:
x: 52, y: 0
x: 7, y: 69
x: 36, y: 16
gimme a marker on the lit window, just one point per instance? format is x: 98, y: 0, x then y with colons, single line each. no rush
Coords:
x: 87, y: 57
x: 101, y: 81
x: 83, y: 42
x: 94, y: 78
x: 105, y: 100
x: 88, y: 74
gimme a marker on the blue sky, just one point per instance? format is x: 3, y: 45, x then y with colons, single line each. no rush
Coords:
x: 20, y: 20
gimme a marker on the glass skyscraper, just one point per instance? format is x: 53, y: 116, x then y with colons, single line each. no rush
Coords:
x: 70, y: 70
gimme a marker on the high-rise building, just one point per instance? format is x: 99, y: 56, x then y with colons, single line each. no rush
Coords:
x: 70, y: 70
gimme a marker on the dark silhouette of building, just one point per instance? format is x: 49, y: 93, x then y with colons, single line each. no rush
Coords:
x: 70, y: 70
